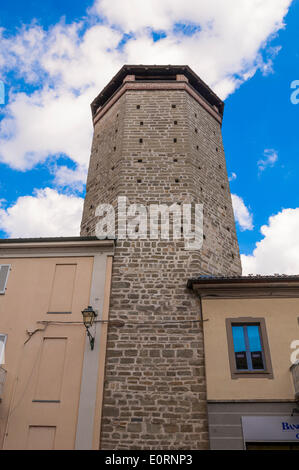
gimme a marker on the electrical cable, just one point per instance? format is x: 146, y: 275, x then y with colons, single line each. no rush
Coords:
x: 166, y: 322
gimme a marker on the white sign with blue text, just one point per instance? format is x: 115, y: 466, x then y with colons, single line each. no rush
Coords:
x: 270, y: 428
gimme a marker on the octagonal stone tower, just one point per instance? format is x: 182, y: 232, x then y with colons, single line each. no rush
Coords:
x: 157, y: 140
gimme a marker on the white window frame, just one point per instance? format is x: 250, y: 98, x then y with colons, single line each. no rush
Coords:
x: 2, y: 292
x: 3, y: 335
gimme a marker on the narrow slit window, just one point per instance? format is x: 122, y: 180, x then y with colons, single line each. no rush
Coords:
x: 4, y: 272
x: 3, y: 339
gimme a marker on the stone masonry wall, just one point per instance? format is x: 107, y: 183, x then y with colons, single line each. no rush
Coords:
x: 155, y: 390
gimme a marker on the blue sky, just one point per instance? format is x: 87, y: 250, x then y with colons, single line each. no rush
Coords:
x: 17, y: 12
x: 258, y: 116
x: 55, y: 57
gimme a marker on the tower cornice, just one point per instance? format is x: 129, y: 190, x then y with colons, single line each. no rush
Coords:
x: 154, y: 77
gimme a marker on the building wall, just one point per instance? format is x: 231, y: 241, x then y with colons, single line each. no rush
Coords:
x: 54, y: 383
x: 225, y: 421
x: 281, y: 318
x: 155, y: 391
x: 229, y: 399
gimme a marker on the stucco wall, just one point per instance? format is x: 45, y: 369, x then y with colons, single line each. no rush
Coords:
x: 281, y: 318
x: 53, y: 392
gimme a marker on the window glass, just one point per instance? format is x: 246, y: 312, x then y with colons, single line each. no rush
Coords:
x: 2, y: 348
x: 239, y: 340
x: 241, y: 360
x: 257, y: 360
x: 254, y: 338
x: 240, y: 347
x: 255, y: 346
x: 248, y: 347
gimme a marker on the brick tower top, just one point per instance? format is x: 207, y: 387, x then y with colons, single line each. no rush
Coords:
x: 157, y: 140
x: 137, y: 77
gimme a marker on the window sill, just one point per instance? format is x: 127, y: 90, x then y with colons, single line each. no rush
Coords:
x: 251, y: 374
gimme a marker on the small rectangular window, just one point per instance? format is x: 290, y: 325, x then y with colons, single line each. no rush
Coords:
x: 249, y: 353
x: 2, y: 348
x: 247, y: 347
x: 4, y: 271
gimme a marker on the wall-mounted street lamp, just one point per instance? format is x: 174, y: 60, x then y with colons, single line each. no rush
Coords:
x: 89, y: 316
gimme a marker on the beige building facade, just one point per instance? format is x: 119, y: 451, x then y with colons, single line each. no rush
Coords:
x: 51, y: 381
x: 251, y: 341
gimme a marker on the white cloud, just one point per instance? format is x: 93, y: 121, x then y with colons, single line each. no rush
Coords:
x: 232, y: 177
x: 132, y: 15
x: 225, y: 49
x: 70, y: 64
x: 278, y: 251
x: 55, y: 119
x: 23, y: 52
x: 43, y: 124
x: 72, y: 179
x: 269, y: 160
x: 242, y: 214
x: 46, y: 214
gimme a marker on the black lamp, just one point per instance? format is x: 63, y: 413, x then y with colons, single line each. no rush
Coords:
x: 89, y: 316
